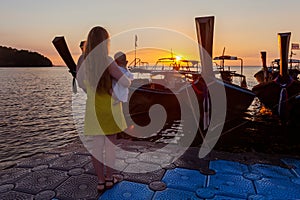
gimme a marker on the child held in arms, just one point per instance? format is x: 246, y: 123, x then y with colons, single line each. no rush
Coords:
x: 120, y: 93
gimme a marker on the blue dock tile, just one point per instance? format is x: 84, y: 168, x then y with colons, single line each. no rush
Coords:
x: 175, y: 195
x: 271, y: 171
x: 278, y: 188
x: 227, y: 198
x: 294, y: 163
x: 231, y: 185
x: 228, y: 167
x: 128, y: 190
x: 184, y: 179
x: 296, y: 180
x: 206, y: 193
x: 259, y: 197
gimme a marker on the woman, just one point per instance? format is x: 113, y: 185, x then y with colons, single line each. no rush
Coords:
x: 103, y: 118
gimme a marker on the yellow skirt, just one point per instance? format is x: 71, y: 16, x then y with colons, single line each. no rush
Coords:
x: 103, y: 116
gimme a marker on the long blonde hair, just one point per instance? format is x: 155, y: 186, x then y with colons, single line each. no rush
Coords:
x: 96, y: 56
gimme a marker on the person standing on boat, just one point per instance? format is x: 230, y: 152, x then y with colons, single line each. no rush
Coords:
x: 119, y: 91
x: 103, y: 118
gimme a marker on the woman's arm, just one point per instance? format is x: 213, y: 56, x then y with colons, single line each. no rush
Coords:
x: 116, y: 73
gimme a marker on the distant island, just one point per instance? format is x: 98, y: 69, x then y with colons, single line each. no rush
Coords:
x: 10, y: 57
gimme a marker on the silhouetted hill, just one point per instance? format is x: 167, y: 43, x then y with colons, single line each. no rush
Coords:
x: 10, y: 57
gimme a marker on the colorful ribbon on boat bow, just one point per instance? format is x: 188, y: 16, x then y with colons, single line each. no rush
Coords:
x: 283, y: 98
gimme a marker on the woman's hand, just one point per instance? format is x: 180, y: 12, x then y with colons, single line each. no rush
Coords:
x: 116, y: 73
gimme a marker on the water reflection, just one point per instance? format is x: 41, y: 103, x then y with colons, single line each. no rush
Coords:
x: 36, y: 112
x: 36, y: 117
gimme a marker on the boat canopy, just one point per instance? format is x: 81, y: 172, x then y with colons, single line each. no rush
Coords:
x: 290, y: 61
x: 180, y: 62
x: 166, y: 59
x: 194, y: 62
x: 226, y: 58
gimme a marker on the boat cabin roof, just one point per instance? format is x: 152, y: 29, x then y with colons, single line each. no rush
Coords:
x: 170, y: 59
x: 226, y: 57
x: 290, y: 61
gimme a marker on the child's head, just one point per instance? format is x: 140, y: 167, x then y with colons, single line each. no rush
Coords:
x: 120, y: 59
x: 81, y: 45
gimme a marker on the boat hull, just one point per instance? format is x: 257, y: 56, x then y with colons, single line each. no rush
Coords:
x: 269, y: 95
x: 238, y: 100
x: 142, y: 98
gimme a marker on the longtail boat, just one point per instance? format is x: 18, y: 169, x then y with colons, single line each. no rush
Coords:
x: 280, y: 93
x: 237, y: 98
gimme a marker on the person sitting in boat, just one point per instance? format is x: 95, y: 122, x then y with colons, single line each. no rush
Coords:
x: 120, y: 93
x: 260, y: 78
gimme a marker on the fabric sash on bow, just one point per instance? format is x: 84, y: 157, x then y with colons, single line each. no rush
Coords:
x: 283, y: 98
x: 206, y: 108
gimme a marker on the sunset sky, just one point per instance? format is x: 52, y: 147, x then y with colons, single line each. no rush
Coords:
x: 244, y: 27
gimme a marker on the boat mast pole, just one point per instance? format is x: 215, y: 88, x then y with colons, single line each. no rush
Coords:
x: 135, y: 57
x: 135, y: 45
x: 291, y: 63
x: 205, y: 29
x: 284, y: 41
x: 242, y: 65
x: 264, y: 61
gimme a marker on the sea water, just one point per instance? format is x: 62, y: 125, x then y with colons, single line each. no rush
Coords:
x: 36, y: 111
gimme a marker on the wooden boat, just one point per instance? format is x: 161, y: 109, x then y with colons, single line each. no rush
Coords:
x: 228, y: 75
x: 155, y: 87
x: 267, y: 74
x: 280, y: 93
x: 293, y: 70
x: 237, y: 99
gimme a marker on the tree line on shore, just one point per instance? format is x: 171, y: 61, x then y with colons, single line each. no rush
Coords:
x: 10, y: 57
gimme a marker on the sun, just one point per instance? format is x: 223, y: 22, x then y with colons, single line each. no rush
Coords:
x: 178, y: 58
